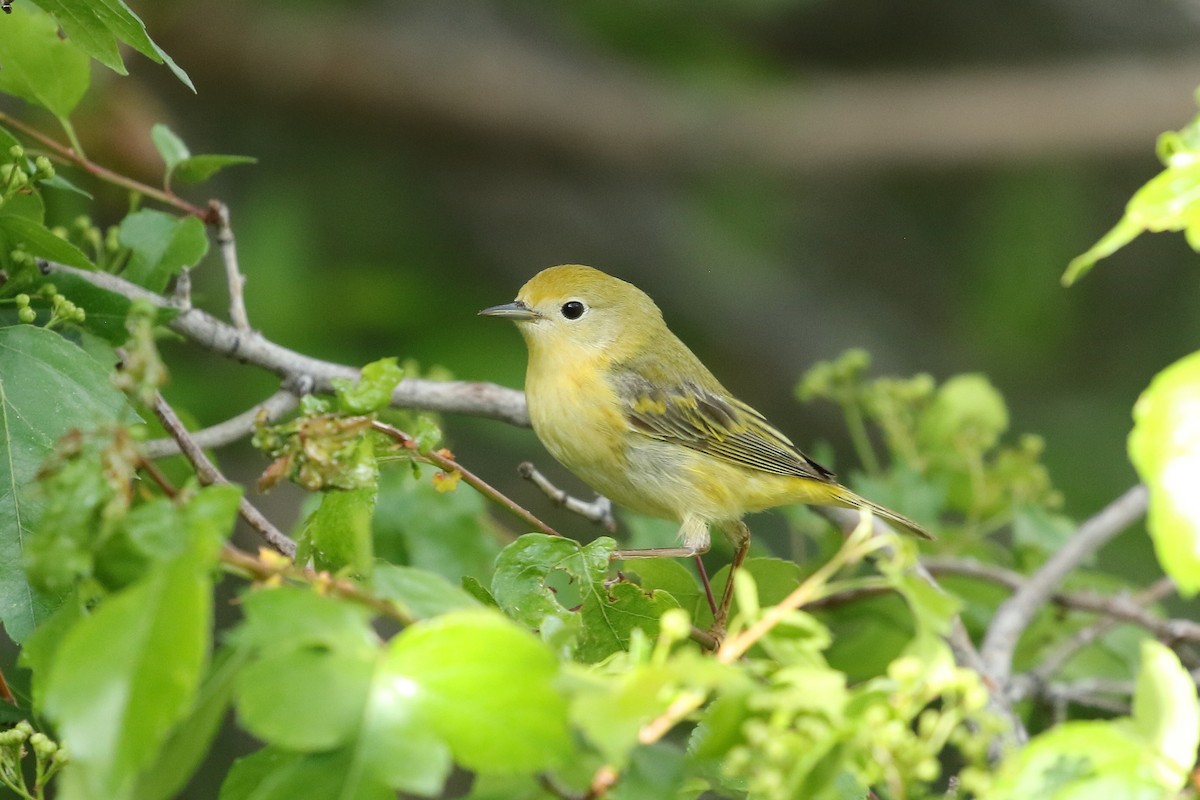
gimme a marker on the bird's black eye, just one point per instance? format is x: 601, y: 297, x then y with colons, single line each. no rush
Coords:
x: 573, y: 309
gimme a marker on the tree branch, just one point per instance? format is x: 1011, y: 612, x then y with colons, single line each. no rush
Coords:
x: 1015, y: 614
x: 270, y: 410
x: 234, y: 278
x: 209, y: 474
x: 250, y: 347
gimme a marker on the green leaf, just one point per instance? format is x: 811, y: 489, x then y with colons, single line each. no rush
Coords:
x: 95, y: 26
x: 276, y: 774
x: 150, y: 533
x: 319, y: 682
x: 161, y: 245
x: 193, y: 736
x: 654, y: 771
x: 338, y: 533
x: 39, y: 241
x: 444, y: 532
x: 372, y: 391
x: 1165, y: 448
x: 1167, y: 714
x: 967, y: 410
x: 308, y: 646
x: 39, y: 67
x: 47, y: 387
x: 40, y: 649
x: 422, y: 594
x: 610, y: 617
x: 521, y: 584
x: 1079, y: 760
x: 668, y: 575
x: 1124, y: 232
x: 200, y: 168
x: 486, y: 687
x: 124, y: 676
x: 611, y: 713
x: 278, y: 696
x: 182, y: 164
x: 169, y: 146
x: 775, y: 579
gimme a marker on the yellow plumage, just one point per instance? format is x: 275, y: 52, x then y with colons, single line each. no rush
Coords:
x: 626, y: 406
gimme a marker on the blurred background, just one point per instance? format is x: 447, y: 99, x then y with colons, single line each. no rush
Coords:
x: 787, y: 178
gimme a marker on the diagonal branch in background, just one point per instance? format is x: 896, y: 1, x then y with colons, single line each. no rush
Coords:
x: 474, y: 398
x: 209, y: 474
x: 1015, y: 613
x: 272, y: 409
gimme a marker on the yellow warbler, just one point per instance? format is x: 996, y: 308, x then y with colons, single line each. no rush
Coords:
x: 627, y: 407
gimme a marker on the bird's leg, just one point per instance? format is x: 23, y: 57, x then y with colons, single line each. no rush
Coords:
x: 739, y: 535
x: 599, y: 510
x: 657, y: 552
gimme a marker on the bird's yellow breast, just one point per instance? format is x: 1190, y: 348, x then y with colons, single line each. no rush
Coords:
x: 577, y: 415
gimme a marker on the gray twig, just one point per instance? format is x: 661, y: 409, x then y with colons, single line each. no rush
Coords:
x: 459, y: 397
x: 1015, y: 614
x: 233, y: 275
x: 208, y: 474
x: 599, y: 510
x: 232, y: 429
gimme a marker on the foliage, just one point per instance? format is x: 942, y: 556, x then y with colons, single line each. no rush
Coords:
x: 413, y: 635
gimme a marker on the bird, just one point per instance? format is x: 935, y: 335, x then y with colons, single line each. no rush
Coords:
x: 624, y: 405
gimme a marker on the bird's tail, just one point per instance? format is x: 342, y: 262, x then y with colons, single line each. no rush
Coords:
x: 848, y: 499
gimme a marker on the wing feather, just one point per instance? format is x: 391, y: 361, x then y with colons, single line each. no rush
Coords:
x: 714, y: 423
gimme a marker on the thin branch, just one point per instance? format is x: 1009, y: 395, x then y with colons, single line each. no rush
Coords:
x: 265, y: 568
x: 208, y: 474
x: 1064, y: 652
x: 957, y: 638
x: 599, y: 510
x: 233, y: 275
x: 448, y: 464
x: 232, y: 429
x: 1119, y: 608
x: 458, y: 397
x: 1015, y: 614
x: 69, y: 154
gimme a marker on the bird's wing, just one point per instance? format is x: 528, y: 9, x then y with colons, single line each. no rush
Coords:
x: 714, y: 423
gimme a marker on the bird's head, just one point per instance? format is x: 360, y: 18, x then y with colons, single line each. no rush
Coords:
x: 573, y: 308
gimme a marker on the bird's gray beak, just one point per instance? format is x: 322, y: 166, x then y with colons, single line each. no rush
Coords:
x: 515, y: 311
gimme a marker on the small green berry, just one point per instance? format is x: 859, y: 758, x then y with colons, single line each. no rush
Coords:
x: 22, y: 300
x: 26, y: 315
x: 16, y: 151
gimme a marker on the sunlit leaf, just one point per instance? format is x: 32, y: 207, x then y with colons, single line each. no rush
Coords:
x: 47, y: 387
x: 37, y: 66
x: 1165, y: 447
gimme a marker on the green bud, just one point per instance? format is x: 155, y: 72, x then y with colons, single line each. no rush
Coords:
x: 112, y: 240
x: 49, y: 289
x: 43, y: 746
x: 26, y: 315
x: 16, y: 151
x: 24, y: 727
x: 6, y: 172
x: 80, y: 315
x: 83, y: 222
x: 675, y: 625
x: 59, y: 231
x: 44, y: 168
x: 61, y: 756
x: 22, y: 300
